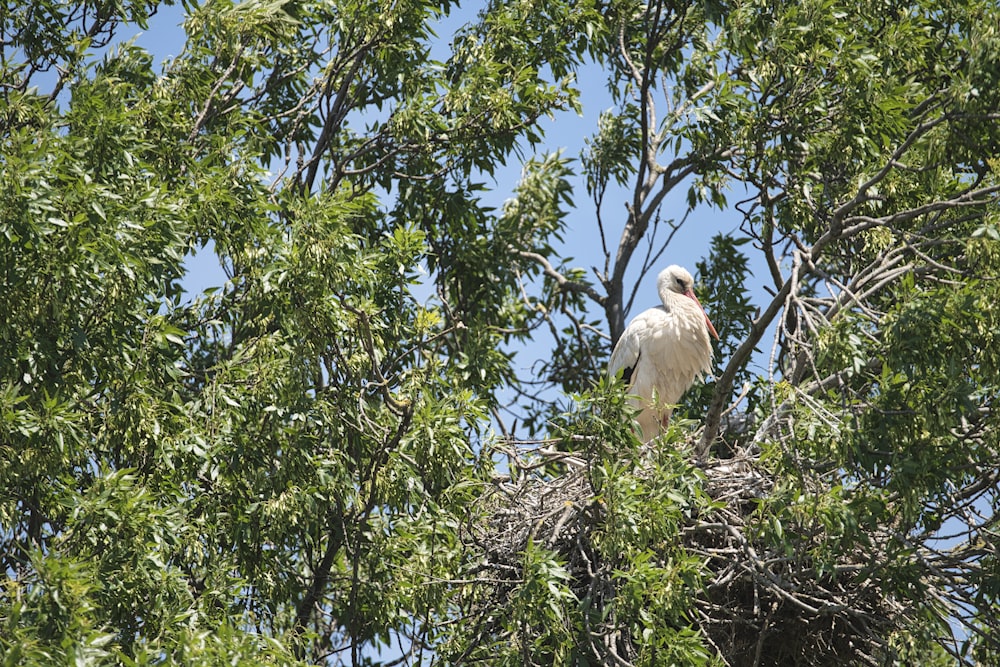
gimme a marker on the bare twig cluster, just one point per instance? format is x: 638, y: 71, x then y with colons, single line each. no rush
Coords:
x: 770, y: 604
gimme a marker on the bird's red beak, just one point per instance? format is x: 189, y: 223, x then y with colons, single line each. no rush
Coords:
x: 708, y: 322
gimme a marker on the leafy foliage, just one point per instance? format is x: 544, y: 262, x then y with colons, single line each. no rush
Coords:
x: 337, y: 456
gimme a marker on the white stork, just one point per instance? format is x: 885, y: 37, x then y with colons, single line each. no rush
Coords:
x: 664, y: 350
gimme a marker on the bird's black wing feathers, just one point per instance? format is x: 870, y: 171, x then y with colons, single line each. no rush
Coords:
x: 628, y: 370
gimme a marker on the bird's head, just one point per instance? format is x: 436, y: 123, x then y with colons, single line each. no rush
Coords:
x: 677, y: 280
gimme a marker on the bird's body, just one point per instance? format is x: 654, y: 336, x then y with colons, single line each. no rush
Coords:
x: 664, y: 350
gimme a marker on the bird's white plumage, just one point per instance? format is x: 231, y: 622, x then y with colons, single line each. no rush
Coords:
x: 665, y: 349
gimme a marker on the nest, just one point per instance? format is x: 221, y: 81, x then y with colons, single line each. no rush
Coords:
x: 757, y: 606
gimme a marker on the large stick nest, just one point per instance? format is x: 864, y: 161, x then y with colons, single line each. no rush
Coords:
x: 761, y: 604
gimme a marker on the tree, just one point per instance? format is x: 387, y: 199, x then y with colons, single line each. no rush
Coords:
x: 299, y: 468
x: 273, y: 469
x: 866, y: 144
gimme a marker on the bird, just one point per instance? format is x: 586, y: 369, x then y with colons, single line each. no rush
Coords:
x: 664, y: 350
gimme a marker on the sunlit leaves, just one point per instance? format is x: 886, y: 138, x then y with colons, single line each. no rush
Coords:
x: 610, y: 152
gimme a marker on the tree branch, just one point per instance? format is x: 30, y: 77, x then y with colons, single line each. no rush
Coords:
x: 562, y: 281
